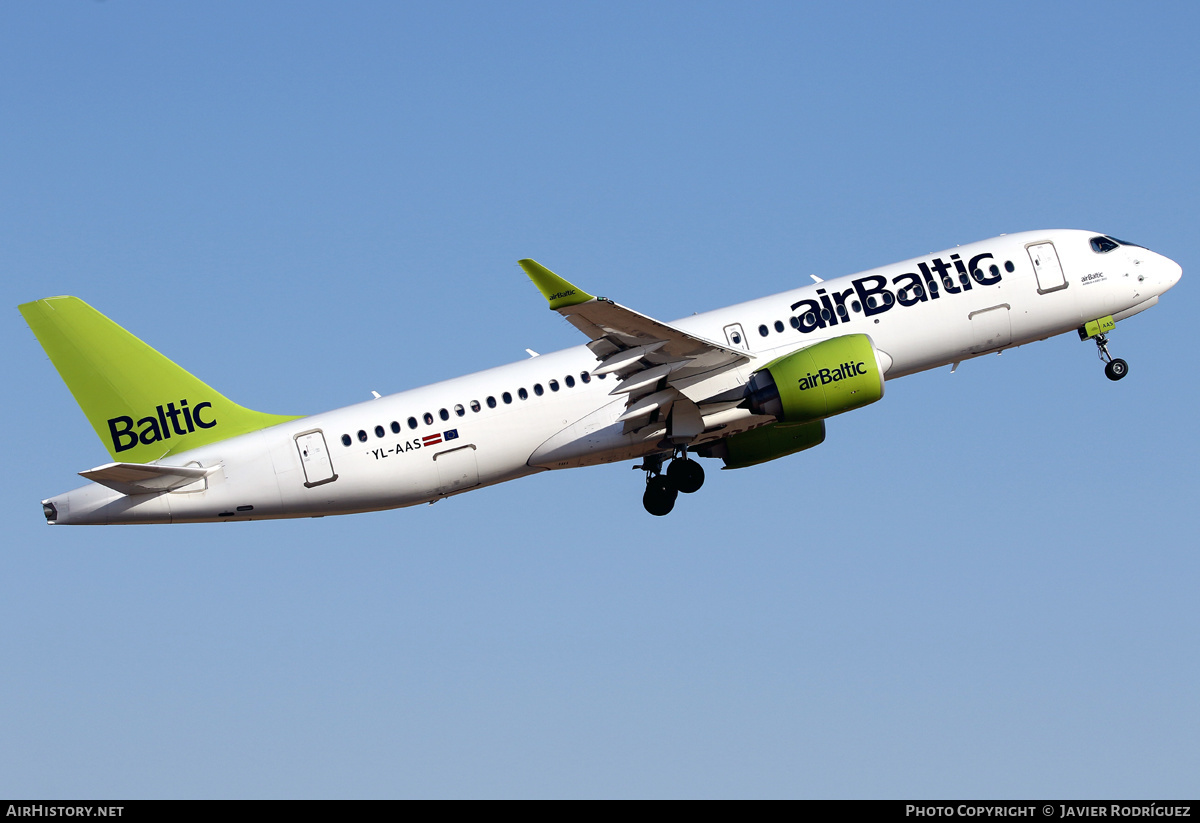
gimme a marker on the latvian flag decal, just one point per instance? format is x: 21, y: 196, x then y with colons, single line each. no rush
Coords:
x: 434, y: 439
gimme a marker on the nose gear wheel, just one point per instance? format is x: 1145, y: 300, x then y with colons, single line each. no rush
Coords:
x: 1114, y: 368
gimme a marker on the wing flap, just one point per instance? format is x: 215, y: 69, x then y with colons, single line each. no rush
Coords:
x: 650, y: 358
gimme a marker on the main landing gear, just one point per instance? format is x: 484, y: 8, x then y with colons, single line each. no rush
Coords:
x: 1114, y: 368
x: 683, y: 475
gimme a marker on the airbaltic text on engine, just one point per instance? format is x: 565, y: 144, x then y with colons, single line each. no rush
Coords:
x: 826, y: 376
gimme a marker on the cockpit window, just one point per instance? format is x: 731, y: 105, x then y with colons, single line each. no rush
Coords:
x: 1107, y: 243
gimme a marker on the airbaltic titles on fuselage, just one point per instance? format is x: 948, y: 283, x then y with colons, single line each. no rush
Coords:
x: 874, y: 296
x: 156, y: 428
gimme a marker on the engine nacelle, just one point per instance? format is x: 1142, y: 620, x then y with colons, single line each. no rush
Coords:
x: 819, y: 381
x: 765, y: 443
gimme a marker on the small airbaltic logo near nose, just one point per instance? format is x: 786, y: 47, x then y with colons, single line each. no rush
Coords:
x: 183, y: 420
x: 826, y: 376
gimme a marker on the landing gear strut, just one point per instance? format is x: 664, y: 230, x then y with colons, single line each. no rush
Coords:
x: 1114, y: 368
x: 683, y: 475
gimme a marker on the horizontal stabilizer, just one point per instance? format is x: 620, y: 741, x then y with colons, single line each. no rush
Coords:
x: 144, y: 478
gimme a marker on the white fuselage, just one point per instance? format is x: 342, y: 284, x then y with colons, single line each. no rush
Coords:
x: 304, y: 468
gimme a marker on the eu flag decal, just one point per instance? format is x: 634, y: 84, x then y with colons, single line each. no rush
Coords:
x: 451, y: 435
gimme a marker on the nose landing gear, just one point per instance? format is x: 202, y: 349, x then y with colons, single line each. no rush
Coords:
x: 683, y: 475
x: 1114, y: 368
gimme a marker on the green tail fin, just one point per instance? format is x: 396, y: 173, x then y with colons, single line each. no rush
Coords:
x: 142, y: 406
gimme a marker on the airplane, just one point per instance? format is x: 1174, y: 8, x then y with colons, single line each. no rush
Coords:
x: 744, y: 385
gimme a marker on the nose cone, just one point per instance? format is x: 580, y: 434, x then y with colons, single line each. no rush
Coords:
x: 1161, y: 272
x: 1173, y: 271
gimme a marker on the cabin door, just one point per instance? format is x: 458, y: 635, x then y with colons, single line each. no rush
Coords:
x: 314, y: 456
x: 1046, y: 266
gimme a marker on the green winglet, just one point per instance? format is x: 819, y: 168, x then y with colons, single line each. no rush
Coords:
x: 142, y: 405
x: 559, y: 292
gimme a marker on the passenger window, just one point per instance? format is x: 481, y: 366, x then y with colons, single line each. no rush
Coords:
x: 585, y: 377
x: 362, y: 436
x: 442, y: 413
x: 412, y: 422
x: 379, y: 431
x: 475, y: 406
x: 459, y: 410
x: 428, y: 419
x: 538, y: 390
x: 570, y: 382
x: 346, y: 441
x: 491, y: 401
x: 778, y: 325
x: 795, y: 321
x: 553, y: 385
x: 506, y: 397
x: 1009, y: 267
x: 762, y: 330
x: 395, y: 427
x: 521, y: 393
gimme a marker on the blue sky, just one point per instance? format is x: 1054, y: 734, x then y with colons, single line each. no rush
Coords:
x: 983, y: 585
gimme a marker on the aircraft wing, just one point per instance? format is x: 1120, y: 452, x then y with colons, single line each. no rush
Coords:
x: 655, y: 363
